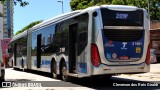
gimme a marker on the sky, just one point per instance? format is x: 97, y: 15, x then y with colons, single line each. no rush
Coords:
x: 37, y: 10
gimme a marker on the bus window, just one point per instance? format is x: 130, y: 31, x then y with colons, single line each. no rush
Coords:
x: 122, y: 25
x: 123, y: 35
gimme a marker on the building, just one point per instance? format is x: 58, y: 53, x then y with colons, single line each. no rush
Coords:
x: 5, y: 45
x: 1, y: 22
x: 6, y: 27
x: 7, y: 31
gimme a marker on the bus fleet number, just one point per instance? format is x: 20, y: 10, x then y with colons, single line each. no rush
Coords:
x: 137, y: 43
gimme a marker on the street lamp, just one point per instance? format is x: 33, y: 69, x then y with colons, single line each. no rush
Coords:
x: 62, y: 5
x: 149, y: 12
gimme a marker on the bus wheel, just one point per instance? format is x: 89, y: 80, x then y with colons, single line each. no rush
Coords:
x: 65, y: 77
x: 22, y: 65
x: 23, y: 69
x: 54, y: 70
x: 12, y: 63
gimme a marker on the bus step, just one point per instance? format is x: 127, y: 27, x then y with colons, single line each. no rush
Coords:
x: 74, y: 71
x: 73, y: 74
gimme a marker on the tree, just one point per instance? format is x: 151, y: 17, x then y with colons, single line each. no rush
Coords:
x: 82, y: 4
x: 21, y: 2
x: 154, y: 5
x: 155, y: 9
x: 28, y: 26
x: 138, y: 3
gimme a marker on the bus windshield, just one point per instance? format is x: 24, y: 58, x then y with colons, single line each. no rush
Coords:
x: 122, y: 18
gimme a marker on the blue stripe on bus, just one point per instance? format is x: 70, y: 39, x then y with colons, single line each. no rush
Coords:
x: 20, y: 62
x: 82, y: 67
x: 44, y: 63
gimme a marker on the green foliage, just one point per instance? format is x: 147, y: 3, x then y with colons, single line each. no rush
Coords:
x: 154, y: 5
x: 80, y: 4
x: 21, y: 2
x: 138, y: 3
x: 29, y: 26
x: 155, y: 9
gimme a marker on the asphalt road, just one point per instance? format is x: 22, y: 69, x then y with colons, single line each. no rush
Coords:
x: 135, y: 81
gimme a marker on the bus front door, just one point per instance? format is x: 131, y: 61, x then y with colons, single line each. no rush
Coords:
x: 39, y: 50
x: 72, y: 47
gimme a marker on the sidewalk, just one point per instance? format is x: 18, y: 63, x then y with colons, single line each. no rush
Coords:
x: 154, y: 71
x: 153, y: 75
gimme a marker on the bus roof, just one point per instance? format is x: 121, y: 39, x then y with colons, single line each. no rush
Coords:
x: 75, y: 13
x: 62, y: 16
x: 19, y: 35
x: 54, y: 19
x: 78, y: 12
x: 120, y: 7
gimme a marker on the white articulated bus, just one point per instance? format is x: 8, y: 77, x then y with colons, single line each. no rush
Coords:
x: 99, y: 40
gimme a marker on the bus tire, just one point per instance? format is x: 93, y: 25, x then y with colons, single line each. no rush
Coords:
x: 64, y: 75
x: 23, y: 69
x: 158, y: 59
x: 54, y: 70
x: 14, y: 68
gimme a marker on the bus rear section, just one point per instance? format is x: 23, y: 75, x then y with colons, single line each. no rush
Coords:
x: 122, y: 45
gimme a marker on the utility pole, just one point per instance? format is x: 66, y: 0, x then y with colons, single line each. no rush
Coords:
x: 149, y: 13
x: 60, y: 1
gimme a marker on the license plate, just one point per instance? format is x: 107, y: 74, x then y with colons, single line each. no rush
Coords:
x: 124, y: 58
